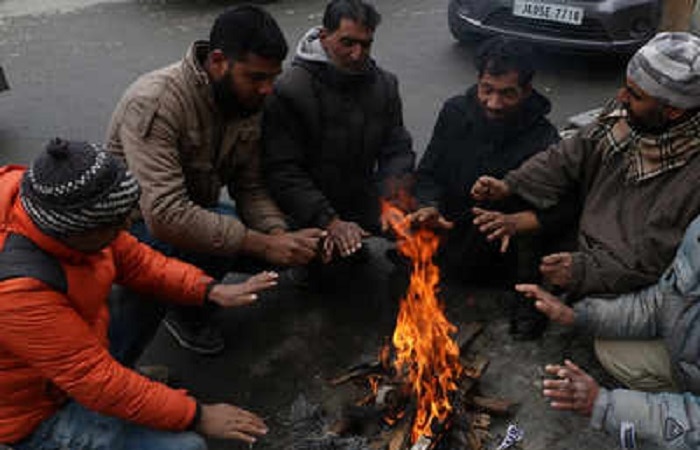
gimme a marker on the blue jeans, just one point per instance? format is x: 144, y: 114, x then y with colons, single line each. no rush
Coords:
x: 76, y: 428
x: 133, y: 322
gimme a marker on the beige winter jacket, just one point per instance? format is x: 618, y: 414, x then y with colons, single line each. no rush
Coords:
x: 178, y: 146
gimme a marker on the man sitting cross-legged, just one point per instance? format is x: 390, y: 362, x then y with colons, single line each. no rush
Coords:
x: 62, y: 245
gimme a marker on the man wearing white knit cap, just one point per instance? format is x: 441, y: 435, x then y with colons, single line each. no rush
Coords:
x: 636, y: 170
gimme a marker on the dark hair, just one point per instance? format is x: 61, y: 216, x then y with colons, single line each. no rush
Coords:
x: 248, y: 29
x: 355, y: 10
x: 500, y: 55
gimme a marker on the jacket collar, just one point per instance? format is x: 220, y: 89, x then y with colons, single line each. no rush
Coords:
x: 195, y: 74
x: 311, y: 55
x: 533, y: 109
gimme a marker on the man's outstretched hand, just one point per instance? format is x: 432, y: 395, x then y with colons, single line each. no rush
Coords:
x: 343, y: 237
x: 223, y: 421
x: 572, y: 390
x: 239, y: 294
x: 548, y: 304
x: 429, y: 217
x: 293, y: 248
x: 489, y: 189
x: 557, y: 269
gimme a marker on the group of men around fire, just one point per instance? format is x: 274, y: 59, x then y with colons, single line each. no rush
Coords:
x: 306, y: 154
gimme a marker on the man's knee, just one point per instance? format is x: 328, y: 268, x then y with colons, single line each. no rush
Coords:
x: 640, y: 365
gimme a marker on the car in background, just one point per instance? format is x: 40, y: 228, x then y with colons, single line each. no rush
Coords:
x: 4, y: 85
x: 597, y: 25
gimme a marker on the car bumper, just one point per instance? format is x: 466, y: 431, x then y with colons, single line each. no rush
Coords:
x: 595, y: 34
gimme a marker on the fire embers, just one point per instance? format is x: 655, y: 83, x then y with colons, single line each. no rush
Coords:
x: 427, y: 357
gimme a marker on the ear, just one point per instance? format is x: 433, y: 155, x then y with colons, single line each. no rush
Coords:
x: 527, y: 90
x: 323, y: 34
x: 217, y: 63
x: 674, y: 113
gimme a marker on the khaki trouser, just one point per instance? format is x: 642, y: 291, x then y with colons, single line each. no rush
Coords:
x: 639, y: 365
x: 676, y: 15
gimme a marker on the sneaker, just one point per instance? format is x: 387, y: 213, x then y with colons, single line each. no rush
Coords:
x: 200, y: 337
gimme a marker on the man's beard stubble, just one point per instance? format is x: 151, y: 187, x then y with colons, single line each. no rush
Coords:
x: 226, y: 99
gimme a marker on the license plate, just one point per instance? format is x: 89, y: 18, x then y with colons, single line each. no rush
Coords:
x: 552, y: 12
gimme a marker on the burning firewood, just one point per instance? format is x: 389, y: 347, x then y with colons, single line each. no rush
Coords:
x: 495, y: 406
x: 361, y: 370
x: 467, y: 334
x: 475, y: 366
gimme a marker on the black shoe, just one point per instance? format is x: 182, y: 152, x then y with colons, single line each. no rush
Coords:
x: 201, y: 337
x: 526, y: 322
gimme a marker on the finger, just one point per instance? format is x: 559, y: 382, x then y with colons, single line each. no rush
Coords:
x: 505, y: 242
x: 264, y: 276
x: 576, y: 370
x: 312, y: 233
x: 491, y: 226
x: 553, y: 369
x: 554, y: 258
x: 545, y: 308
x: 479, y: 211
x: 238, y: 436
x: 243, y: 299
x: 559, y: 394
x: 482, y: 218
x: 445, y: 224
x: 344, y: 244
x: 261, y: 286
x: 557, y: 384
x: 498, y: 233
x: 529, y: 290
x: 327, y: 250
x: 250, y: 428
x: 237, y: 414
x: 563, y: 406
x: 414, y: 217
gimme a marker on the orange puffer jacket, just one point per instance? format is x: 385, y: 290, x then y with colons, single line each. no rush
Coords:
x: 53, y: 324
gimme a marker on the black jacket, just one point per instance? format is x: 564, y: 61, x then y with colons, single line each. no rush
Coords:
x: 465, y: 146
x: 332, y: 140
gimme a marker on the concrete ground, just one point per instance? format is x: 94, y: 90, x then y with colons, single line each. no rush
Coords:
x: 68, y: 61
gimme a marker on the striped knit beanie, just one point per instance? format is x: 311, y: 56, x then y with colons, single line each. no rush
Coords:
x: 73, y: 187
x: 668, y: 68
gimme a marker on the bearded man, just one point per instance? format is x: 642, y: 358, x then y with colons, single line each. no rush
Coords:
x: 636, y: 171
x: 189, y: 129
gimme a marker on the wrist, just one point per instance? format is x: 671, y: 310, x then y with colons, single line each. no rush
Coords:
x: 526, y: 222
x: 333, y: 222
x: 208, y: 289
x: 196, y: 419
x: 255, y: 243
x: 276, y: 231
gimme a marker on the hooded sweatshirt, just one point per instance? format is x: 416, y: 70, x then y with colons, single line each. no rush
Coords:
x: 333, y: 140
x: 670, y: 310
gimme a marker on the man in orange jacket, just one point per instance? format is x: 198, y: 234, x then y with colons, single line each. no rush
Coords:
x: 62, y: 245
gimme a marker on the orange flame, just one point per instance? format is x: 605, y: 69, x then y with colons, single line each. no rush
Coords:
x: 426, y: 354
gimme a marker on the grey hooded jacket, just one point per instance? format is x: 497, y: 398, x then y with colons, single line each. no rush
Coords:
x: 333, y: 141
x: 669, y: 310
